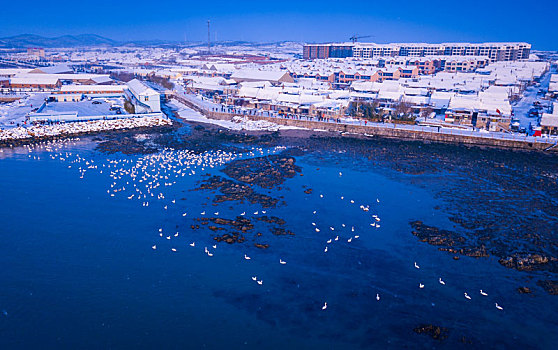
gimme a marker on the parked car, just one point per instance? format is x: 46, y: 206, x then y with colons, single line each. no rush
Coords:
x: 97, y: 102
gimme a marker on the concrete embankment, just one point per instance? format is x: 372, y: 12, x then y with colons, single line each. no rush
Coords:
x: 393, y: 132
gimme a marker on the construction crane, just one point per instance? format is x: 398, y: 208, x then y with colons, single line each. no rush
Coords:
x: 355, y: 37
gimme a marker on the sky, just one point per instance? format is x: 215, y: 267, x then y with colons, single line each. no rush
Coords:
x: 302, y: 20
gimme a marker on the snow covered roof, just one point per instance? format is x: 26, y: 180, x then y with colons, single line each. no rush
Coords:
x: 94, y: 88
x: 58, y: 69
x: 138, y: 88
x: 34, y: 79
x: 550, y: 120
x: 10, y: 72
x: 480, y: 103
x: 261, y: 75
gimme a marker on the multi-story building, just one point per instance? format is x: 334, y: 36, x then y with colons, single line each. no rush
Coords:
x: 36, y: 51
x: 328, y: 51
x: 494, y: 51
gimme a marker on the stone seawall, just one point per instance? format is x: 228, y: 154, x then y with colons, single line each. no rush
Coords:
x: 392, y: 133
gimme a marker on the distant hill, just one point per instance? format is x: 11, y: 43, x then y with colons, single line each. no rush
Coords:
x: 31, y: 40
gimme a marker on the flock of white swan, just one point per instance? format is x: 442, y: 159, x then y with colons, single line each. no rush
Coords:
x: 145, y: 178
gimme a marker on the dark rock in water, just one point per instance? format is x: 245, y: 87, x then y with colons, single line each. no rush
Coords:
x: 524, y: 290
x: 436, y: 332
x: 447, y: 241
x: 527, y: 262
x: 241, y: 223
x: 230, y: 238
x: 271, y: 220
x: 261, y: 246
x: 279, y: 231
x: 232, y: 191
x: 215, y: 228
x: 125, y: 145
x: 266, y: 172
x: 126, y: 141
x: 551, y: 287
x: 308, y: 191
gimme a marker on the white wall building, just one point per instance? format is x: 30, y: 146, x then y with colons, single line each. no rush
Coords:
x: 144, y: 98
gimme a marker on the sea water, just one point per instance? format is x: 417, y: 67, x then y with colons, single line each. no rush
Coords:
x: 79, y: 270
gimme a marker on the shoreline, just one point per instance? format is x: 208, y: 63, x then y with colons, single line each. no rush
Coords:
x: 301, y: 132
x: 384, y: 132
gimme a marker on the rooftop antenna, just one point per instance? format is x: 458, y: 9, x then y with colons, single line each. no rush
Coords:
x: 208, y: 39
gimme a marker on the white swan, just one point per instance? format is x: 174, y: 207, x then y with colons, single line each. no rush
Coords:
x: 246, y: 257
x: 467, y: 296
x: 499, y: 307
x: 325, y: 306
x: 416, y: 266
x: 377, y: 296
x: 282, y: 262
x: 483, y: 293
x: 441, y: 282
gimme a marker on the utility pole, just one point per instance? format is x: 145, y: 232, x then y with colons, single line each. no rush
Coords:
x: 208, y: 39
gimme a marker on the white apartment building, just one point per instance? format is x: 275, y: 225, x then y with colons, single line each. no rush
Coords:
x: 495, y: 51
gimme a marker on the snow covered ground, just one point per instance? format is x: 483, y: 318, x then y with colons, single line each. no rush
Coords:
x: 522, y: 107
x: 237, y: 123
x: 14, y: 112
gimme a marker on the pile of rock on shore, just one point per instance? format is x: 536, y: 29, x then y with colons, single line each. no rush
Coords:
x: 38, y: 131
